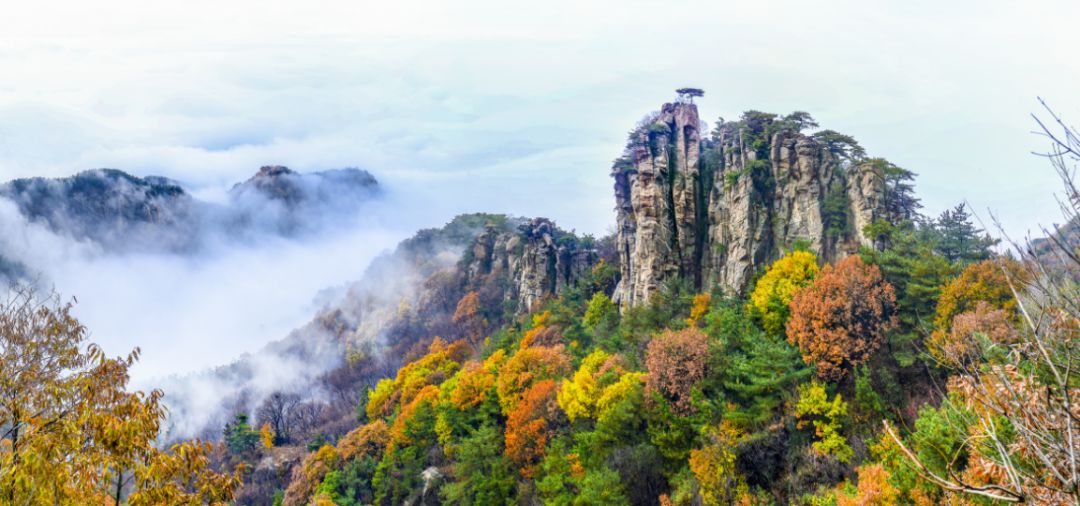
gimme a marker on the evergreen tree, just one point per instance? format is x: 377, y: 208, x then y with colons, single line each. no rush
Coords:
x: 958, y: 239
x: 239, y: 435
x: 917, y: 273
x: 900, y: 201
x: 483, y: 474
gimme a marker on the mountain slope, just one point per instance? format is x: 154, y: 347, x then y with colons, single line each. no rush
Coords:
x: 680, y: 394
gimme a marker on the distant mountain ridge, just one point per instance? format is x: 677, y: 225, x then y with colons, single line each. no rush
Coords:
x: 123, y: 212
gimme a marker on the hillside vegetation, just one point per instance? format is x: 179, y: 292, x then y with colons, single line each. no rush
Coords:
x: 843, y: 349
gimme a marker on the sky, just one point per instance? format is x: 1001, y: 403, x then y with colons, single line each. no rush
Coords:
x: 502, y: 106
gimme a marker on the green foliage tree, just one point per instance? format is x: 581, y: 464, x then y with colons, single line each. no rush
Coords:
x: 799, y: 121
x: 600, y: 487
x: 917, y: 273
x: 834, y: 211
x: 899, y: 198
x: 399, y: 475
x: 827, y: 417
x: 602, y: 319
x: 354, y: 482
x: 556, y: 481
x: 240, y: 436
x: 482, y: 473
x: 839, y: 144
x: 690, y: 93
x: 959, y: 239
x: 759, y: 377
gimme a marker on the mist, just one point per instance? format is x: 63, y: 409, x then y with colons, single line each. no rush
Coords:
x: 197, y: 308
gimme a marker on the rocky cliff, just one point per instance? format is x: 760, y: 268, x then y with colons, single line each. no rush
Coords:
x: 411, y: 294
x: 532, y: 263
x: 714, y: 209
x: 405, y: 298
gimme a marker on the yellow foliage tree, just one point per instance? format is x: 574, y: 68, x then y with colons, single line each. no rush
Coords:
x: 713, y: 465
x: 441, y: 362
x: 578, y: 395
x: 71, y: 433
x: 777, y: 287
x: 182, y: 476
x: 827, y: 417
x: 698, y: 309
x: 266, y: 436
x: 628, y: 384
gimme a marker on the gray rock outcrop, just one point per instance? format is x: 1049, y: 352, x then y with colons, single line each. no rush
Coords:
x: 714, y: 210
x: 532, y: 263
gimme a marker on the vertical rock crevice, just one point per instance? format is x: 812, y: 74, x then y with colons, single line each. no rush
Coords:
x: 527, y: 265
x: 715, y: 210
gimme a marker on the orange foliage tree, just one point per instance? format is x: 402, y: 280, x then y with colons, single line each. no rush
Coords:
x: 527, y: 425
x: 961, y: 345
x: 698, y: 308
x: 474, y: 382
x: 986, y: 281
x: 978, y: 299
x: 873, y: 489
x: 469, y: 320
x: 841, y: 318
x: 527, y: 366
x: 676, y: 360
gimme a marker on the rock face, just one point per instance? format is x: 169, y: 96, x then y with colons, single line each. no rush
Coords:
x: 533, y: 263
x: 715, y: 210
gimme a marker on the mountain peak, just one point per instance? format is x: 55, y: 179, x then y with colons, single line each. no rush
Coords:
x: 274, y: 171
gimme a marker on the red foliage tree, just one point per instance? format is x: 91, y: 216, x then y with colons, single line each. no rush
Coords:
x: 841, y: 319
x: 676, y: 360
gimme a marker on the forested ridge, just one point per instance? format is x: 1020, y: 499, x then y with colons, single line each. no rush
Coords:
x: 916, y: 360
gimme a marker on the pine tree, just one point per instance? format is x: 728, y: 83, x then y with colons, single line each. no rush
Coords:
x: 239, y: 435
x: 917, y: 273
x: 900, y: 201
x: 958, y: 239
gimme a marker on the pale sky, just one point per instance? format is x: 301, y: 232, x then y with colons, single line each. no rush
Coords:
x: 520, y: 107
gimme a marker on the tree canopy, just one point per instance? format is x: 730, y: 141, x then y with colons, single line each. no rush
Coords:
x: 72, y: 432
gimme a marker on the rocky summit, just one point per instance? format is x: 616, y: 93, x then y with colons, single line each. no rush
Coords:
x: 538, y: 261
x: 713, y: 209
